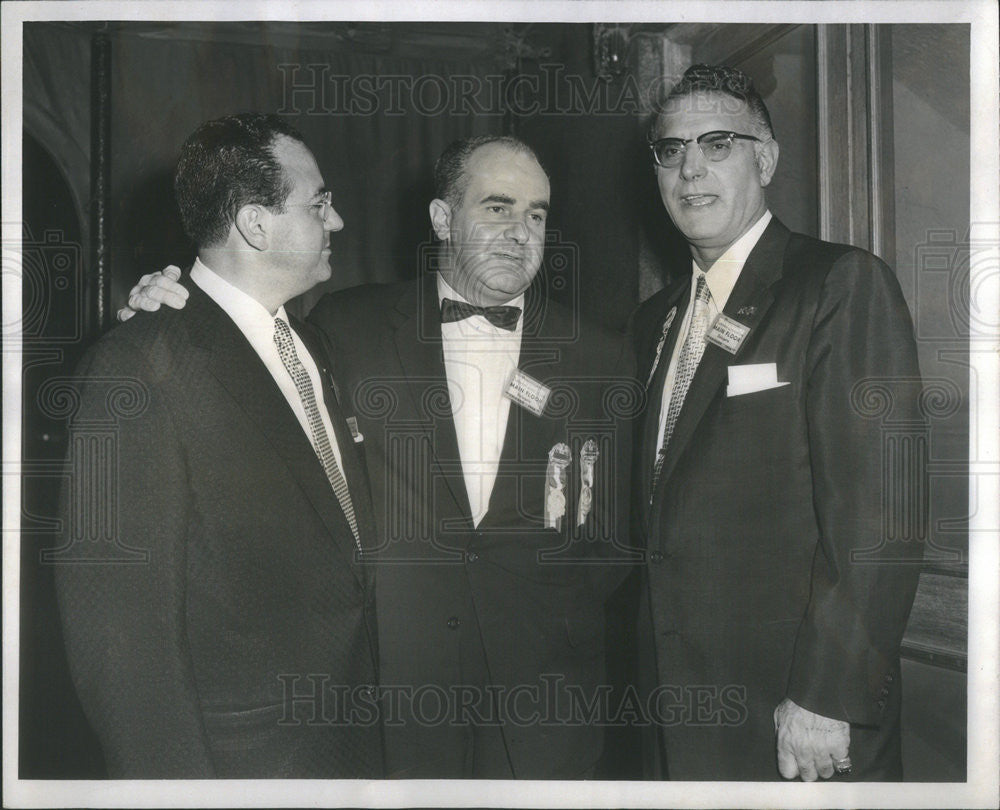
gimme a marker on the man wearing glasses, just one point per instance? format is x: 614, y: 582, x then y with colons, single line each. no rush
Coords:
x: 245, y: 506
x: 774, y: 601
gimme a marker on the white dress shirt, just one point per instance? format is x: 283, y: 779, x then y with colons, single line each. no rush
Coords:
x: 257, y: 326
x: 478, y: 361
x: 721, y: 277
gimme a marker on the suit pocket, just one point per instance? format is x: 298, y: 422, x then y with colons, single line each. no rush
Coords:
x: 249, y: 728
x: 779, y: 398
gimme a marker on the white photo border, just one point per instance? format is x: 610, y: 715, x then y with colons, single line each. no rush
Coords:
x: 983, y: 743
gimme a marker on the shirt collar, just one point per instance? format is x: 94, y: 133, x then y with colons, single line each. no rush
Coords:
x: 246, y: 312
x: 722, y: 276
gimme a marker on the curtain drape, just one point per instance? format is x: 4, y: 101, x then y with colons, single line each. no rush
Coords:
x: 375, y: 122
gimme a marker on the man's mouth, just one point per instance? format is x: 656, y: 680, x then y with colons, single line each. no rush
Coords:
x: 698, y: 200
x: 510, y: 257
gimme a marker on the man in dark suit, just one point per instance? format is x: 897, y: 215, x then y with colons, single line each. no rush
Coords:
x: 494, y: 426
x: 776, y: 596
x: 230, y: 625
x: 481, y: 585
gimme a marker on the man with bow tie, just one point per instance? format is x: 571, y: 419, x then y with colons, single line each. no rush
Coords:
x: 494, y: 427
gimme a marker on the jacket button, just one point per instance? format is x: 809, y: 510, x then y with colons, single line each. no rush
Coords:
x: 889, y: 677
x: 656, y: 557
x: 880, y: 703
x: 472, y: 556
x: 453, y: 623
x: 368, y: 690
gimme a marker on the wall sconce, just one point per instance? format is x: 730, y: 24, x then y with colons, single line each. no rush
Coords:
x: 611, y: 44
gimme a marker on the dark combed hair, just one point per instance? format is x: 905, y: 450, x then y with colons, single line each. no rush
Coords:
x: 450, y: 179
x: 226, y: 164
x: 727, y: 81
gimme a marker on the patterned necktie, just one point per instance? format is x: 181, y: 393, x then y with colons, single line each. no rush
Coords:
x: 687, y: 364
x: 320, y: 441
x: 502, y: 317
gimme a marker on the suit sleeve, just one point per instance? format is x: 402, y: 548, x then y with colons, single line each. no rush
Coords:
x: 863, y: 581
x: 124, y: 622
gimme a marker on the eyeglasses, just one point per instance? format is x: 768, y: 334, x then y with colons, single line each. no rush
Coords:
x: 323, y: 206
x: 715, y: 146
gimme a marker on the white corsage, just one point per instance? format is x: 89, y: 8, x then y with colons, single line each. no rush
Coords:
x: 555, y: 485
x: 588, y: 457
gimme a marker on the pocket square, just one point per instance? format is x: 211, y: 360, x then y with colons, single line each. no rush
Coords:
x: 751, y: 378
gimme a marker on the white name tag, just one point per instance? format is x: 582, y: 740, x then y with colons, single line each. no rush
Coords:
x: 527, y: 392
x: 727, y: 334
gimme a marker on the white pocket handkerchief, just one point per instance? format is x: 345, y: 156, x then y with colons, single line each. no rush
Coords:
x: 752, y: 377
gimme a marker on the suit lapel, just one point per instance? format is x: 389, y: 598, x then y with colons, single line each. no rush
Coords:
x: 526, y: 434
x: 355, y: 467
x: 749, y: 302
x: 236, y: 366
x: 421, y: 361
x: 677, y: 297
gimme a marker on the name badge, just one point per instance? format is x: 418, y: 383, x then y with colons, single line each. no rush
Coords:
x: 527, y: 392
x: 727, y: 334
x: 352, y: 423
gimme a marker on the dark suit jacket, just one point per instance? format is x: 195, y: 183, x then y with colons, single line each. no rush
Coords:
x: 512, y: 605
x: 243, y: 589
x: 778, y: 559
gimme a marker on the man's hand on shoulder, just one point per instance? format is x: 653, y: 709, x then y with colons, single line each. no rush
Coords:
x: 154, y: 289
x: 810, y: 744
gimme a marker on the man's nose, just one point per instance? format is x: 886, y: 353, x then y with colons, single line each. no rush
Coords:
x: 517, y: 231
x: 333, y: 222
x: 693, y: 163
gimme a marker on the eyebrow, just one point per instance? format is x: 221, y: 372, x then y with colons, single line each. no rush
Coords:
x: 503, y: 198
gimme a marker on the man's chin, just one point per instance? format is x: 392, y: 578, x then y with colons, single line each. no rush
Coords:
x: 506, y: 288
x: 323, y: 270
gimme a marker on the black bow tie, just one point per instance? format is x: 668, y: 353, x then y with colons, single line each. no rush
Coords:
x: 502, y: 317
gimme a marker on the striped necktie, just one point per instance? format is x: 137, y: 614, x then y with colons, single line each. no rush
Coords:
x: 687, y: 365
x: 320, y: 440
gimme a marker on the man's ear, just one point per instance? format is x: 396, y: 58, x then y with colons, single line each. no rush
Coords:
x: 440, y: 213
x: 254, y: 224
x: 767, y: 160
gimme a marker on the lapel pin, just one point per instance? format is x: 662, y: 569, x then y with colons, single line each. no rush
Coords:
x: 352, y: 423
x: 659, y: 346
x: 747, y: 311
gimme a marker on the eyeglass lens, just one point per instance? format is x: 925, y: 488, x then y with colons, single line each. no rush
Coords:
x: 715, y: 146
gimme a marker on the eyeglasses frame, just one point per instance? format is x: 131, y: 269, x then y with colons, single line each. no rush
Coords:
x: 684, y: 142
